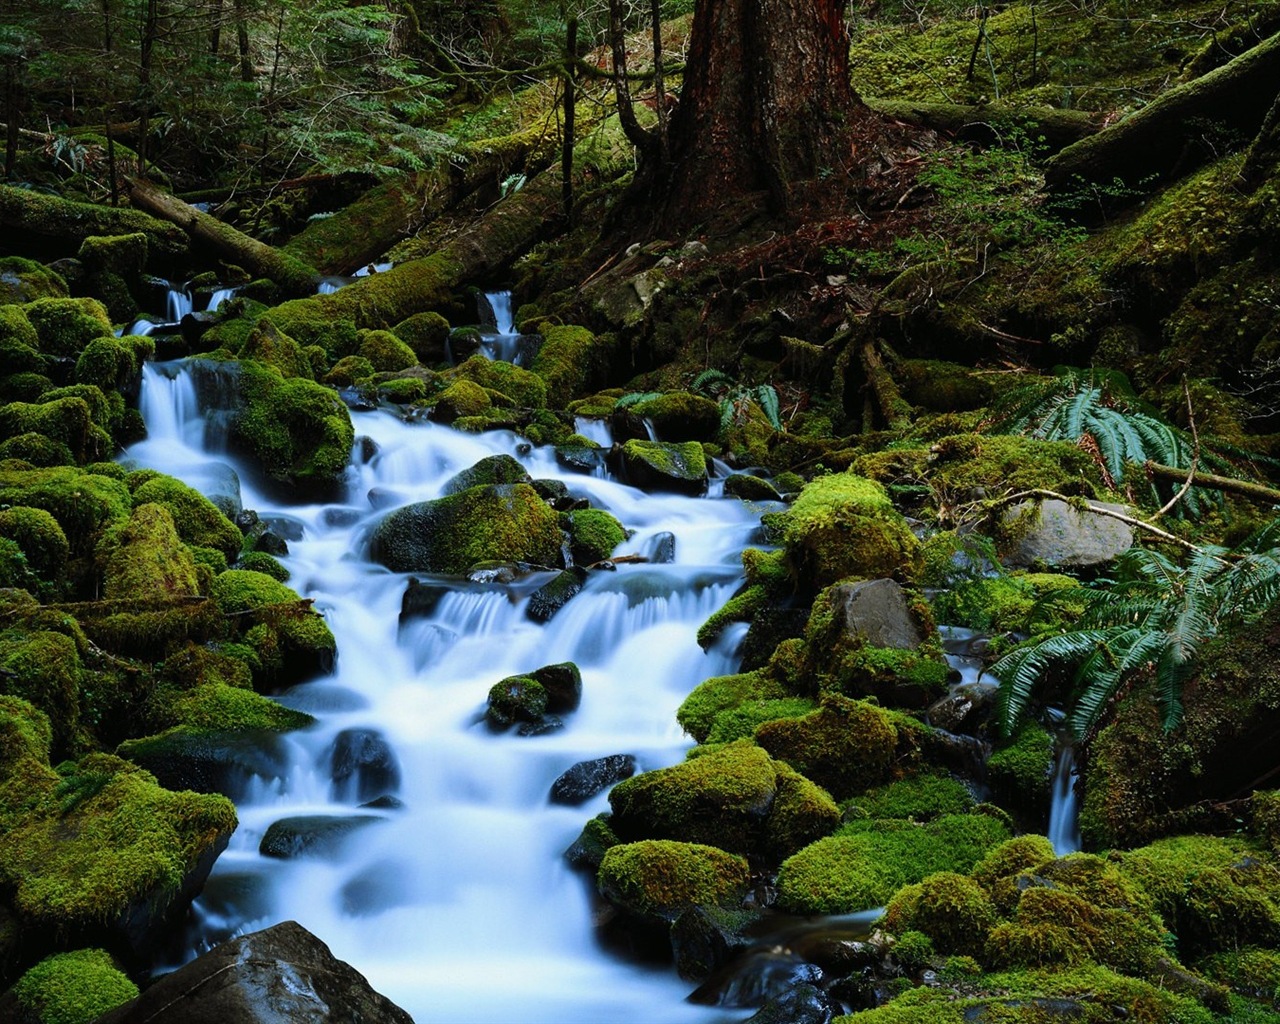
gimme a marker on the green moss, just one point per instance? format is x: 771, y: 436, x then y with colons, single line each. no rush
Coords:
x: 658, y: 879
x: 572, y: 361
x: 73, y: 988
x: 66, y: 326
x: 82, y: 503
x: 403, y: 390
x: 302, y: 633
x: 348, y: 370
x: 593, y: 534
x: 269, y: 345
x: 25, y: 734
x: 23, y: 280
x: 846, y: 746
x: 1020, y: 771
x: 107, y: 838
x: 843, y: 525
x: 1009, y: 858
x: 742, y: 720
x: 742, y: 607
x: 113, y: 363
x: 1252, y: 972
x: 67, y: 421
x: 516, y: 699
x: 680, y: 416
x: 227, y: 708
x: 481, y: 524
x: 1013, y: 603
x: 425, y: 334
x: 920, y: 798
x: 523, y: 387
x: 462, y: 399
x: 802, y: 814
x: 951, y: 909
x: 942, y: 387
x: 865, y: 863
x: 260, y: 561
x: 198, y: 520
x: 37, y: 451
x: 665, y: 466
x: 144, y: 556
x: 698, y: 712
x: 43, y: 667
x: 385, y: 351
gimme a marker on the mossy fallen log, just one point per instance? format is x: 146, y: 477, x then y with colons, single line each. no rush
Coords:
x: 1155, y: 140
x: 506, y: 230
x: 1244, y: 488
x: 990, y: 122
x: 259, y: 259
x: 363, y: 231
x: 47, y: 224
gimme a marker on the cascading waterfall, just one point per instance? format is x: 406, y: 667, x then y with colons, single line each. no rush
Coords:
x: 453, y: 898
x: 499, y: 339
x: 1064, y: 809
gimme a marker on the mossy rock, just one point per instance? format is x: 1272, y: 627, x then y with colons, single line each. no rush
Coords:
x: 73, y: 988
x: 525, y: 388
x: 65, y: 326
x: 846, y: 746
x: 385, y: 351
x: 750, y: 488
x: 23, y: 280
x: 292, y: 642
x: 952, y: 909
x: 260, y: 561
x: 198, y: 520
x: 1028, y: 603
x: 269, y: 345
x: 494, y: 523
x: 1021, y: 769
x: 309, y: 324
x: 229, y: 708
x: 593, y: 533
x: 36, y: 450
x: 425, y: 334
x: 113, y: 266
x: 44, y: 668
x: 107, y: 848
x: 349, y: 370
x: 742, y: 607
x: 297, y: 432
x: 660, y: 466
x: 112, y: 363
x: 516, y: 699
x: 1012, y: 857
x: 920, y: 798
x: 942, y: 387
x: 680, y: 416
x: 656, y: 880
x: 843, y: 525
x: 494, y: 469
x: 460, y: 400
x: 403, y: 390
x: 25, y: 735
x: 573, y: 361
x: 742, y: 721
x: 144, y: 556
x: 83, y: 503
x: 66, y: 421
x: 866, y: 862
x: 698, y: 713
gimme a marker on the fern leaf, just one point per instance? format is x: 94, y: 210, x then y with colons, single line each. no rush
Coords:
x: 766, y: 396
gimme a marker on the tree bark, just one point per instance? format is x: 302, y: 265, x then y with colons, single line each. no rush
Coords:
x: 1244, y: 488
x: 1154, y: 141
x: 766, y: 103
x: 256, y: 257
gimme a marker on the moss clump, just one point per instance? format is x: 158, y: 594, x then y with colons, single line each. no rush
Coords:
x: 349, y: 370
x: 742, y: 720
x: 697, y: 714
x: 198, y: 520
x: 1013, y: 603
x: 951, y: 909
x: 658, y: 879
x: 846, y: 746
x: 425, y: 334
x: 67, y: 421
x: 260, y: 561
x: 865, y: 862
x: 144, y: 556
x: 385, y: 351
x: 593, y: 534
x: 403, y: 390
x: 573, y: 362
x: 43, y: 667
x: 37, y: 450
x: 66, y: 326
x: 742, y: 607
x: 1012, y: 857
x: 920, y: 798
x: 496, y: 523
x: 516, y: 699
x: 73, y: 988
x: 460, y: 400
x: 658, y: 465
x: 23, y: 280
x: 680, y: 416
x: 290, y: 642
x: 1020, y: 771
x: 229, y: 708
x: 269, y: 345
x: 942, y: 387
x: 82, y: 503
x: 25, y: 734
x: 113, y: 363
x: 523, y: 387
x: 298, y: 432
x: 495, y: 469
x: 104, y: 841
x: 843, y: 525
x: 802, y: 814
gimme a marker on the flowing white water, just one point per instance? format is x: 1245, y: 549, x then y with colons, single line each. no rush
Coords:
x: 1064, y: 809
x: 500, y: 340
x: 459, y: 905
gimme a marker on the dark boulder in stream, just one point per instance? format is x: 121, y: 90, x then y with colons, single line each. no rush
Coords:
x: 283, y: 973
x: 587, y: 778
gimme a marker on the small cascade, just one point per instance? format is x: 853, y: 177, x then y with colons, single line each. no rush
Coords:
x: 1064, y: 810
x: 178, y: 303
x: 594, y: 430
x: 498, y: 337
x: 330, y: 284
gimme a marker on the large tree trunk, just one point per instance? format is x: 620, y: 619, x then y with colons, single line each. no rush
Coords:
x: 35, y: 223
x: 766, y: 103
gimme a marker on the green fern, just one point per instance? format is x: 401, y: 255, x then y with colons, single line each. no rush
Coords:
x: 635, y: 398
x: 711, y: 382
x: 1155, y: 616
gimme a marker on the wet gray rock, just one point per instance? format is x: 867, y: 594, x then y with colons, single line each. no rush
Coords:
x: 659, y: 466
x: 702, y: 943
x: 580, y: 458
x: 363, y: 766
x: 555, y: 594
x: 1055, y: 534
x: 588, y: 778
x: 563, y: 683
x: 804, y: 1004
x: 877, y: 612
x: 966, y: 709
x: 282, y: 974
x: 209, y: 761
x: 312, y: 835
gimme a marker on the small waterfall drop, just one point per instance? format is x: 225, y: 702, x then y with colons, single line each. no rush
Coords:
x: 1064, y: 809
x: 499, y: 339
x: 454, y: 900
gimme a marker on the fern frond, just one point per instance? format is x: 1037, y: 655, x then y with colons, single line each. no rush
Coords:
x: 635, y: 398
x: 766, y: 396
x: 708, y: 380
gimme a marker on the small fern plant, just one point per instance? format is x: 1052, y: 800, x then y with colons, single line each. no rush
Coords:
x: 734, y: 398
x: 1153, y: 617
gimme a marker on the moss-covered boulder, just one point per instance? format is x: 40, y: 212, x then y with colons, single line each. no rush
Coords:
x: 144, y: 557
x: 36, y: 450
x: 843, y: 525
x: 269, y: 345
x: 41, y: 539
x: 23, y: 280
x: 952, y: 909
x: 1020, y: 771
x: 734, y: 797
x: 573, y: 361
x: 593, y: 534
x: 515, y: 699
x: 676, y: 416
x: 660, y: 466
x: 198, y: 520
x: 113, y: 364
x: 494, y: 523
x: 494, y: 469
x: 297, y: 432
x: 43, y: 667
x: 425, y: 334
x: 846, y: 746
x: 72, y: 988
x: 113, y: 266
x: 385, y: 351
x: 656, y: 880
x: 105, y: 851
x: 348, y: 370
x: 524, y: 388
x: 461, y: 399
x: 65, y: 326
x: 66, y: 421
x: 722, y: 695
x: 83, y: 503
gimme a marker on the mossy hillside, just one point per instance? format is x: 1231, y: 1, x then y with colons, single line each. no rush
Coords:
x: 866, y: 862
x: 198, y: 520
x: 732, y: 797
x: 593, y: 534
x: 573, y: 361
x: 103, y: 843
x: 481, y: 524
x: 73, y: 988
x: 297, y: 432
x: 65, y: 326
x: 657, y: 879
x: 843, y: 525
x: 144, y: 556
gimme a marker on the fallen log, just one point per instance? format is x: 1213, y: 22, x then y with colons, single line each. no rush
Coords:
x: 502, y: 233
x: 1154, y: 141
x: 261, y: 260
x: 988, y: 124
x: 35, y: 222
x: 1244, y: 488
x: 358, y: 234
x: 880, y: 383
